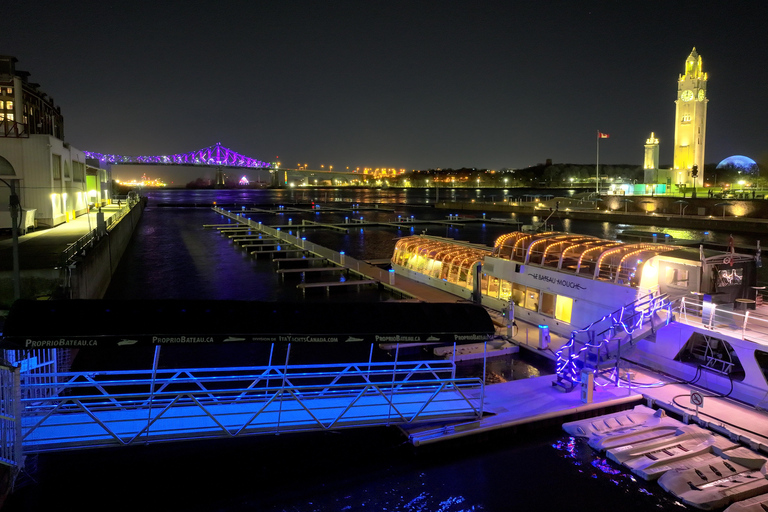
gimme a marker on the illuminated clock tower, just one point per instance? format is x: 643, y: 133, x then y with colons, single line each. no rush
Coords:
x: 690, y: 121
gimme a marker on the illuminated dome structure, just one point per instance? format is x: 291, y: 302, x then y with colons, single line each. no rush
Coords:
x: 740, y: 162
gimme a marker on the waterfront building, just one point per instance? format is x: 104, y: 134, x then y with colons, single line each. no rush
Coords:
x: 54, y: 181
x: 690, y: 121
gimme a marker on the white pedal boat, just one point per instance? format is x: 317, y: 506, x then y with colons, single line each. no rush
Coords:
x: 739, y: 475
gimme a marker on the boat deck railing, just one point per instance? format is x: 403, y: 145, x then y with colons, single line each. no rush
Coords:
x: 119, y: 408
x: 747, y: 324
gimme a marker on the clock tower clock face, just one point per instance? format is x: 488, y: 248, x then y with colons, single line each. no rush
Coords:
x: 701, y: 95
x: 687, y: 95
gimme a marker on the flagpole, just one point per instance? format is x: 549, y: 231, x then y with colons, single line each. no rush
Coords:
x: 597, y: 165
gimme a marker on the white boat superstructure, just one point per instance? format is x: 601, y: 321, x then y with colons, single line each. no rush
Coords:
x: 692, y: 312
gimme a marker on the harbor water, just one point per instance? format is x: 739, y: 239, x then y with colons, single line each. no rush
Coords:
x: 173, y: 256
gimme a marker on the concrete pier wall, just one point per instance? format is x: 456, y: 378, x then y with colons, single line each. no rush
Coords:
x: 41, y: 274
x: 89, y: 278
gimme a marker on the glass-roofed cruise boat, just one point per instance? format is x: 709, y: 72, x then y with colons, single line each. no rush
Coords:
x: 574, y: 284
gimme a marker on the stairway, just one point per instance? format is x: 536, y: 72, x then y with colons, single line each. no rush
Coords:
x: 597, y: 347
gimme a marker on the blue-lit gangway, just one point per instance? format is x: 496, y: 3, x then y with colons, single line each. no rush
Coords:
x: 61, y: 411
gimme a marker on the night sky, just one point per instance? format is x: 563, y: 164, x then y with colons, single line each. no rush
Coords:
x: 410, y: 85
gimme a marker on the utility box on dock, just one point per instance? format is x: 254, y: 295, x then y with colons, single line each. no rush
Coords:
x: 543, y: 337
x: 587, y: 386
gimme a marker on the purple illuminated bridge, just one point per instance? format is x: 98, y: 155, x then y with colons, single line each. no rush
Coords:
x: 212, y: 156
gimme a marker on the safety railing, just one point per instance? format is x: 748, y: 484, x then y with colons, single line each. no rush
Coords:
x: 89, y: 239
x: 124, y: 407
x: 746, y: 324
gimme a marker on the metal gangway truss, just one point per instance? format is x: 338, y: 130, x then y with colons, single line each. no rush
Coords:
x: 70, y: 385
x: 120, y: 408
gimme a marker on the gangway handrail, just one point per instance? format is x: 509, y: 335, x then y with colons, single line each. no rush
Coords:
x: 119, y: 408
x: 642, y: 309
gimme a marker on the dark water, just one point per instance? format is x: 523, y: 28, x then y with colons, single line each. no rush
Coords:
x: 173, y: 256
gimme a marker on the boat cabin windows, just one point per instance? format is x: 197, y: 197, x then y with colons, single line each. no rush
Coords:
x: 677, y: 277
x: 548, y: 304
x: 518, y: 294
x: 563, y: 308
x: 531, y: 298
x: 505, y: 291
x: 557, y: 306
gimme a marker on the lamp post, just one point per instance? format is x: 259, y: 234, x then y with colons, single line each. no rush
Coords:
x: 15, y: 210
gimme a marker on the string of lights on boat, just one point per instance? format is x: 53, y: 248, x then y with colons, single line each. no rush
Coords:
x: 216, y: 155
x: 567, y: 363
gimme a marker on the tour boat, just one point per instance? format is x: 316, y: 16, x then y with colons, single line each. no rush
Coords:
x: 695, y: 313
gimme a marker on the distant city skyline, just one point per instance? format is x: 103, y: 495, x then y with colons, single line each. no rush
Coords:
x: 394, y: 84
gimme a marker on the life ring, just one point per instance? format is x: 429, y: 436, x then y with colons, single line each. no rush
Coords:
x: 727, y: 260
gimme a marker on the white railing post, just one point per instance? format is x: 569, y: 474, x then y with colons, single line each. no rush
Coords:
x: 392, y: 389
x: 282, y: 388
x: 744, y: 324
x: 152, y: 388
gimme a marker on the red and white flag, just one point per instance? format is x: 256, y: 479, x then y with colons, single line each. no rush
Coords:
x: 601, y: 135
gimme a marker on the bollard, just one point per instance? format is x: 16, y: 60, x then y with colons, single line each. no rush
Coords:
x: 342, y: 258
x: 392, y: 276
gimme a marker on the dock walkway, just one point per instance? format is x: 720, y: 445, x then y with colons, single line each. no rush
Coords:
x: 42, y: 247
x: 398, y: 284
x: 534, y: 400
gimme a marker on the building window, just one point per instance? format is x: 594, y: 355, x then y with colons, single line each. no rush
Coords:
x: 9, y: 105
x: 2, y: 105
x: 686, y: 118
x: 9, y: 116
x: 56, y: 162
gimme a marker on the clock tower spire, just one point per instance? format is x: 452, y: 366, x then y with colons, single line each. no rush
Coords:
x: 690, y: 120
